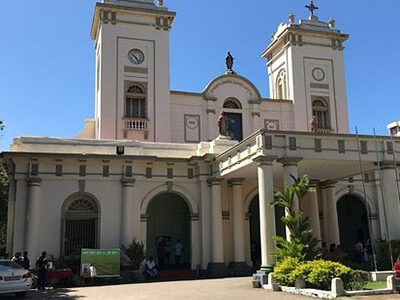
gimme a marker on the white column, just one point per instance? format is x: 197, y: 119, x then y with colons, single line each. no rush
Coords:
x: 238, y: 220
x: 10, y: 214
x: 267, y: 214
x: 334, y: 237
x: 326, y: 238
x: 195, y: 241
x: 391, y: 199
x: 128, y: 214
x: 314, y: 211
x: 216, y: 222
x: 33, y: 217
x: 289, y: 170
x: 205, y: 215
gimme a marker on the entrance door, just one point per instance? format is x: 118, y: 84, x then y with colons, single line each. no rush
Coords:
x: 235, y: 130
x: 168, y: 221
x: 353, y: 222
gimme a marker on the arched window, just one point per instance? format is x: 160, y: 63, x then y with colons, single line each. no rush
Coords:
x: 232, y: 104
x: 281, y: 85
x: 321, y: 112
x: 80, y: 225
x: 135, y: 102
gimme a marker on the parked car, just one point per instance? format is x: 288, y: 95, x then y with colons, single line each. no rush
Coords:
x: 14, y: 278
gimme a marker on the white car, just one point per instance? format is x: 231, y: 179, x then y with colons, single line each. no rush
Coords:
x: 14, y: 278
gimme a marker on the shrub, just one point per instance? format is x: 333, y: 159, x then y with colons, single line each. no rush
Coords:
x: 283, y: 269
x: 357, y: 281
x: 135, y: 253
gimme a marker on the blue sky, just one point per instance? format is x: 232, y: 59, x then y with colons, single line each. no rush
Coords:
x: 47, y: 57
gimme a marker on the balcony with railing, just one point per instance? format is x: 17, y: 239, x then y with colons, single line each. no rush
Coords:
x: 136, y: 124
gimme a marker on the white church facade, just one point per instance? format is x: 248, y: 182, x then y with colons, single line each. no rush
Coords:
x: 152, y: 166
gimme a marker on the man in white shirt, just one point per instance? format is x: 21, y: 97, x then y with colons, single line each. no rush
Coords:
x: 178, y: 253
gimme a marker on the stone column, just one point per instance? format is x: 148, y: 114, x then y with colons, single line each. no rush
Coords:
x: 289, y: 170
x: 217, y: 266
x: 10, y: 214
x: 334, y: 237
x: 195, y: 241
x: 391, y: 199
x: 205, y: 216
x: 128, y: 213
x: 33, y: 230
x: 267, y: 214
x: 326, y: 238
x: 314, y: 211
x: 238, y: 265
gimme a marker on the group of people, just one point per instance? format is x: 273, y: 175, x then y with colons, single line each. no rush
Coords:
x: 363, y: 253
x: 163, y: 257
x: 41, y: 266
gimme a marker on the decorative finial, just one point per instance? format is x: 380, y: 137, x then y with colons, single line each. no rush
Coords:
x: 229, y: 63
x: 331, y: 23
x: 160, y: 2
x: 272, y: 36
x: 312, y: 8
x: 292, y: 18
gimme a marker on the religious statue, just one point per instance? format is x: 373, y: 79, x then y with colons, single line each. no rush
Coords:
x: 223, y: 124
x: 229, y: 62
x: 314, y: 124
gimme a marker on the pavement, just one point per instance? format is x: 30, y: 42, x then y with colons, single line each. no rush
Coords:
x: 227, y: 289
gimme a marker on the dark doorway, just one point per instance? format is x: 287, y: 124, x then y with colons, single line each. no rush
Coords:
x: 353, y: 222
x: 168, y: 220
x: 254, y: 220
x: 235, y: 130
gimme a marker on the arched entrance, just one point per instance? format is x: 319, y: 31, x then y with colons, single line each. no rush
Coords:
x: 168, y: 220
x: 80, y: 225
x: 353, y: 222
x: 254, y: 220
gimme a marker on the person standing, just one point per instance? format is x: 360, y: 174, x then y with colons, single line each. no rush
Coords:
x: 17, y: 258
x: 42, y: 265
x: 178, y: 253
x: 26, y: 264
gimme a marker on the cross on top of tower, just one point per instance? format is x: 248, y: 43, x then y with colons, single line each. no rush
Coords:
x: 312, y: 7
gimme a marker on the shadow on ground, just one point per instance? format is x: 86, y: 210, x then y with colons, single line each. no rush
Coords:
x: 50, y: 294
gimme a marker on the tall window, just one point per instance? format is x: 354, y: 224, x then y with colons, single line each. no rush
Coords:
x: 232, y: 111
x: 281, y: 85
x: 80, y: 225
x: 135, y: 102
x: 321, y: 112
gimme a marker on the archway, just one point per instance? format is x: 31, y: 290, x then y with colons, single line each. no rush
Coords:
x: 353, y: 222
x: 254, y: 220
x: 80, y: 225
x: 168, y: 220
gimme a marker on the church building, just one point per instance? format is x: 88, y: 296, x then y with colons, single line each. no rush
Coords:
x: 158, y: 165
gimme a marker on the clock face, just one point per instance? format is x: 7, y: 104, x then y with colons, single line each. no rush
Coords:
x: 136, y: 56
x: 318, y: 74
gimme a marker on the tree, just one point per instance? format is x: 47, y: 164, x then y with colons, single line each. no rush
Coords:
x: 302, y: 244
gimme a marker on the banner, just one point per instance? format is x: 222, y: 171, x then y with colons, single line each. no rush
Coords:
x: 100, y: 262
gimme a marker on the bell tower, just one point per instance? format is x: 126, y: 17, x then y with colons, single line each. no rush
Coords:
x: 306, y: 65
x: 132, y: 70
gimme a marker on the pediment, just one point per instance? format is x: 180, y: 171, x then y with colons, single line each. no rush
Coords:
x: 231, y: 82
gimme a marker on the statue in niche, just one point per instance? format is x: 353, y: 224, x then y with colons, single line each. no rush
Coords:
x: 314, y: 124
x: 223, y: 124
x: 229, y: 62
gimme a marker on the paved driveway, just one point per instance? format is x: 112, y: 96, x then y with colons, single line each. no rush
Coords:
x: 227, y: 289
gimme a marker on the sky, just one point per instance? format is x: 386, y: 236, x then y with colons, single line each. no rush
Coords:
x: 47, y: 57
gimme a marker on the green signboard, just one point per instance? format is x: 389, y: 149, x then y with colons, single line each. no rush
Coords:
x: 100, y: 262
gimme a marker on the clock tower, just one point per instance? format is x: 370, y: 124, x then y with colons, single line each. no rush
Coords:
x: 132, y: 70
x: 306, y: 65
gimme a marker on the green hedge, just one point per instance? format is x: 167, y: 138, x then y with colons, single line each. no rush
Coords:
x: 318, y: 274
